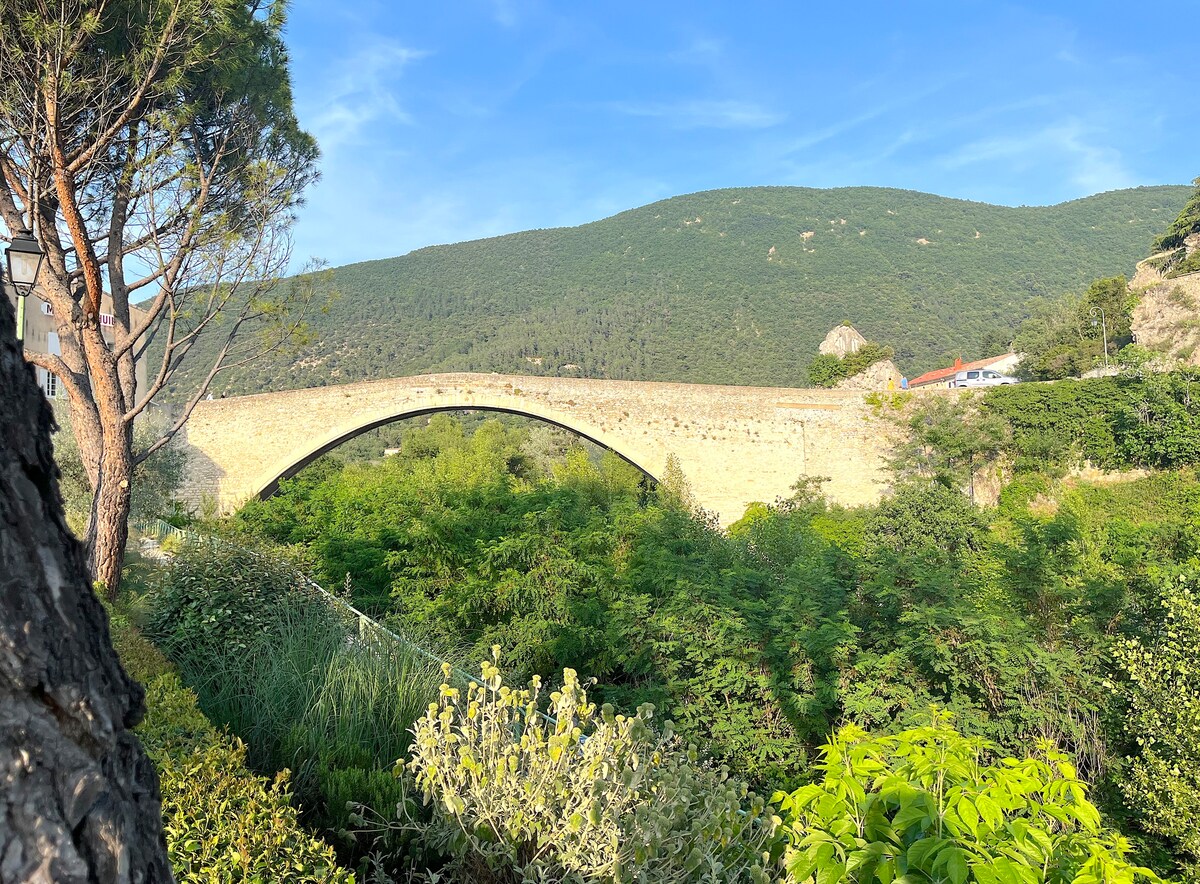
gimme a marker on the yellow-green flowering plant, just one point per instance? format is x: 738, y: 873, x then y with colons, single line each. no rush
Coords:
x: 579, y: 794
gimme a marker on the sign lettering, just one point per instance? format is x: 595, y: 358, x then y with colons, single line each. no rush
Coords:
x: 106, y: 319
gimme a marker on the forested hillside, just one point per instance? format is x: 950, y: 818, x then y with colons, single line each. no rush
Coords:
x: 728, y: 286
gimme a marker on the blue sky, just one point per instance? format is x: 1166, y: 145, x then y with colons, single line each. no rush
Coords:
x: 442, y: 122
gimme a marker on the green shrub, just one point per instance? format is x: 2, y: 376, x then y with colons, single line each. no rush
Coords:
x: 140, y: 657
x: 1112, y: 423
x: 1069, y: 336
x: 593, y: 796
x: 216, y: 599
x: 222, y: 822
x: 924, y: 805
x: 826, y: 369
x: 278, y: 665
x: 1161, y: 688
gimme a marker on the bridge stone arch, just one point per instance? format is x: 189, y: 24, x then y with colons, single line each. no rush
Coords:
x: 735, y: 445
x: 327, y: 447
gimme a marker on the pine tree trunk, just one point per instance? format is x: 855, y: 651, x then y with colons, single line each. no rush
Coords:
x: 108, y: 527
x: 79, y: 800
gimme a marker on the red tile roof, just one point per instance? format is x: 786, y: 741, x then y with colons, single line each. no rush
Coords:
x: 941, y: 374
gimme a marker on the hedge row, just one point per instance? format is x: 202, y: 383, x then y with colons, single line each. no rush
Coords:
x: 1113, y: 423
x: 223, y: 822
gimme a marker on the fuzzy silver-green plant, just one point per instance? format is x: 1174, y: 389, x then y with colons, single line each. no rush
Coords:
x: 584, y: 795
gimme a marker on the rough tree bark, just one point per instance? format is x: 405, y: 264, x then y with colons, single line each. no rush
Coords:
x: 79, y: 799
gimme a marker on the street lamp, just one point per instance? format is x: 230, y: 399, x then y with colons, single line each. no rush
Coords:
x: 24, y: 257
x: 1103, y: 330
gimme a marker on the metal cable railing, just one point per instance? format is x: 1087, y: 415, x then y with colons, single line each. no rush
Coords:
x: 159, y: 528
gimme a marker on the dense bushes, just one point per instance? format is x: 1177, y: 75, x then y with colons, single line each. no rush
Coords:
x: 219, y: 599
x: 1066, y: 338
x: 927, y: 805
x: 1112, y: 423
x: 222, y: 822
x: 759, y: 641
x: 1160, y: 684
x: 274, y: 662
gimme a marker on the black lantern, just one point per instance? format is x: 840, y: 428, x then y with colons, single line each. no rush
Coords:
x: 24, y: 261
x: 24, y: 258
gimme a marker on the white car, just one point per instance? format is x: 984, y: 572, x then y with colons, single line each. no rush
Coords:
x: 982, y: 377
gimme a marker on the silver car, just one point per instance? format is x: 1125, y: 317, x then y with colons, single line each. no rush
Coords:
x: 982, y: 377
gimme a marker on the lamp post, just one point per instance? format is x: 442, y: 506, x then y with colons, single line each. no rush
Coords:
x: 1103, y: 330
x: 24, y: 258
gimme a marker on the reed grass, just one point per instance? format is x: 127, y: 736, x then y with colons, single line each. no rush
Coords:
x: 311, y: 695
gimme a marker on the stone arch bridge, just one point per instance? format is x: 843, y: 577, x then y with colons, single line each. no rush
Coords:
x: 735, y: 445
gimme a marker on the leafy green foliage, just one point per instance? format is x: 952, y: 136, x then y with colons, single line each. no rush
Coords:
x: 590, y: 796
x: 219, y: 600
x: 927, y: 805
x: 285, y: 673
x: 826, y: 369
x: 449, y: 543
x: 1068, y: 337
x: 654, y: 294
x: 949, y: 440
x: 759, y: 641
x: 1187, y: 223
x: 1113, y: 423
x: 222, y: 822
x: 1161, y: 685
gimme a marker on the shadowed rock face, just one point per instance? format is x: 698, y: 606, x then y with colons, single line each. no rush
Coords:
x: 79, y: 800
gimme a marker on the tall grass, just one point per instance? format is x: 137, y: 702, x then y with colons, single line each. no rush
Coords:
x: 297, y: 683
x: 310, y: 695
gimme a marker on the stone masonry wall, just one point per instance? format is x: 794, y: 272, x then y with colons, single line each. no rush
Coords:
x: 735, y: 445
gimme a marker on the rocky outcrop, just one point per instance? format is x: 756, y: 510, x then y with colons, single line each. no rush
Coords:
x: 841, y: 341
x: 1167, y: 316
x: 882, y: 375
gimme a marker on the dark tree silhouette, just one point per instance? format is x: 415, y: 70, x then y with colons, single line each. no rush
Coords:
x: 79, y: 799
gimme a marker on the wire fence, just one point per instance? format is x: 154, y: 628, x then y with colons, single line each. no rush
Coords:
x: 365, y: 625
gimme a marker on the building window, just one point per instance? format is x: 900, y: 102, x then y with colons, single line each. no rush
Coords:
x: 51, y: 386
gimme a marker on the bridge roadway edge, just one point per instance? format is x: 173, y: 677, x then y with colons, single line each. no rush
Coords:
x: 735, y: 445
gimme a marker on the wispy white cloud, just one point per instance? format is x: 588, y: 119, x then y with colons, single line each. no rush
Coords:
x: 702, y: 114
x: 504, y: 13
x: 361, y: 91
x: 1090, y: 164
x: 832, y: 130
x: 700, y: 50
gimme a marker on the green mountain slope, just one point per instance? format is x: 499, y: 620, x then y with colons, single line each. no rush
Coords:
x: 729, y: 286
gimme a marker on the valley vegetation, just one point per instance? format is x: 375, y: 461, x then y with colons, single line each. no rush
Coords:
x: 932, y: 637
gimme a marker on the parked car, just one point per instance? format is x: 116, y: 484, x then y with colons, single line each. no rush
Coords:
x: 982, y: 377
